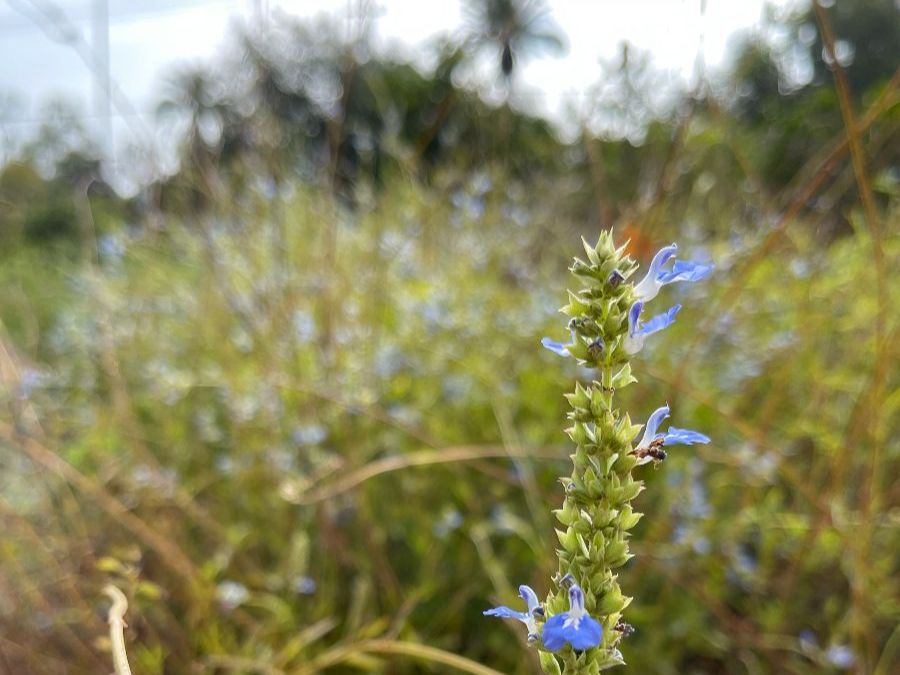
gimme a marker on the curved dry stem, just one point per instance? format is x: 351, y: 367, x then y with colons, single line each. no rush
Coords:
x: 241, y: 664
x: 412, y: 649
x: 421, y: 458
x: 116, y: 618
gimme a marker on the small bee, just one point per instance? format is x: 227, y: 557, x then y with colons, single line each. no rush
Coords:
x: 654, y: 451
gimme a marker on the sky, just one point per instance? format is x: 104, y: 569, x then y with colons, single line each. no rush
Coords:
x: 46, y: 48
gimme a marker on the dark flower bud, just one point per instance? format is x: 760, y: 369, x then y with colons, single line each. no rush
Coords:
x: 625, y: 629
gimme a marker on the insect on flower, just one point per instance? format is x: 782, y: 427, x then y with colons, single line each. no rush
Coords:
x: 528, y: 618
x: 575, y: 627
x: 657, y: 277
x: 650, y: 446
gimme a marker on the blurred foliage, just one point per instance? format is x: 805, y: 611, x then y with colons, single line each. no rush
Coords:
x: 783, y: 91
x: 57, y: 179
x: 300, y: 101
x: 291, y: 400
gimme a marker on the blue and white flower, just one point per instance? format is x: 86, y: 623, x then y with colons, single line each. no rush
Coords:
x: 654, y: 439
x: 528, y: 618
x: 657, y: 277
x: 559, y: 347
x: 575, y: 627
x: 638, y: 332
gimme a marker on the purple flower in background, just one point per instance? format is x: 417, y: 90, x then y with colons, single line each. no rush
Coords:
x: 638, y: 332
x: 657, y: 277
x: 841, y: 656
x: 653, y: 439
x: 528, y: 617
x: 575, y: 627
x: 304, y: 585
x: 232, y: 594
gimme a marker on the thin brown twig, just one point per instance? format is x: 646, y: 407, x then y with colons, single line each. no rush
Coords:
x: 846, y: 106
x: 36, y: 596
x: 169, y: 552
x: 4, y: 664
x: 67, y: 666
x: 39, y: 545
x: 424, y: 652
x: 241, y: 664
x: 417, y: 459
x: 796, y: 204
x: 816, y: 170
x: 863, y: 543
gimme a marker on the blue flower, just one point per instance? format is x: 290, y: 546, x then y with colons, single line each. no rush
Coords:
x: 638, y: 331
x: 657, y: 277
x: 841, y: 657
x: 575, y: 627
x: 559, y: 347
x: 528, y: 618
x: 654, y: 439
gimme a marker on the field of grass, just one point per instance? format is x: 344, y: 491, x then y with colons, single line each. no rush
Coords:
x: 309, y: 438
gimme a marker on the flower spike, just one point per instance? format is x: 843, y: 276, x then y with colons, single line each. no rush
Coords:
x: 657, y: 277
x: 575, y: 627
x: 604, y: 314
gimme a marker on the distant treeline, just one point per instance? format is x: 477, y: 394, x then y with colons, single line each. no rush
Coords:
x: 296, y: 103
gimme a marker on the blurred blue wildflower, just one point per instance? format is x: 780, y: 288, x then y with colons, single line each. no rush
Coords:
x: 638, y: 332
x: 840, y: 656
x: 312, y: 434
x: 449, y: 521
x: 304, y: 326
x: 232, y: 594
x: 528, y: 617
x: 111, y: 248
x: 304, y: 585
x: 576, y: 626
x: 808, y: 640
x: 559, y: 347
x: 29, y: 380
x: 657, y: 277
x: 653, y: 439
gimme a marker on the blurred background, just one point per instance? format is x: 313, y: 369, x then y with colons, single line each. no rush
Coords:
x: 273, y: 277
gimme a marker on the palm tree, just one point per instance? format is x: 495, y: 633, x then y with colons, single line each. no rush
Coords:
x: 514, y: 28
x: 191, y: 95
